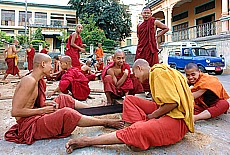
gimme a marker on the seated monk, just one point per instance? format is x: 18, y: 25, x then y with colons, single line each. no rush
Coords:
x: 109, y: 60
x: 73, y: 80
x: 162, y: 122
x: 117, y: 79
x: 11, y: 59
x: 209, y: 94
x: 37, y: 119
x: 57, y: 71
x: 99, y: 66
x: 86, y: 70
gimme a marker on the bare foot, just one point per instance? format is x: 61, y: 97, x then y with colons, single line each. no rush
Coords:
x: 134, y: 148
x: 117, y: 124
x: 73, y: 144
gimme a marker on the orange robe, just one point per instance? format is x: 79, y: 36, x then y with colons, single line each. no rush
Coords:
x: 12, y: 67
x: 99, y: 53
x: 214, y: 99
x: 75, y: 82
x: 30, y: 58
x: 128, y: 85
x: 55, y: 125
x: 169, y: 128
x: 74, y: 53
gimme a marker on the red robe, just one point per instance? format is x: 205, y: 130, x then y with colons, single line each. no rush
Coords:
x: 55, y: 125
x: 100, y: 67
x: 30, y: 58
x: 144, y: 133
x: 74, y: 53
x: 90, y: 77
x: 128, y: 85
x: 11, y: 67
x: 74, y: 81
x: 147, y: 45
x: 44, y: 50
x: 214, y: 99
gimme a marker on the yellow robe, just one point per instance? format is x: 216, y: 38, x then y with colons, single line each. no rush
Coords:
x: 15, y: 56
x: 170, y: 86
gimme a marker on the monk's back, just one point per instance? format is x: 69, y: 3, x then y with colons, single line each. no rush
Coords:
x: 10, y: 50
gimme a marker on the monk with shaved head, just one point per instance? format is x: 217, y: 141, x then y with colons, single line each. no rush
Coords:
x: 73, y: 80
x: 40, y: 119
x: 86, y: 70
x: 209, y: 94
x: 74, y: 46
x: 117, y: 79
x: 163, y: 121
x: 11, y: 59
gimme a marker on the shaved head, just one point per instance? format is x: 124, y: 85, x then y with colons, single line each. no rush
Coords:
x: 88, y: 62
x: 39, y: 58
x: 66, y: 59
x: 118, y: 52
x: 141, y: 63
x: 191, y: 66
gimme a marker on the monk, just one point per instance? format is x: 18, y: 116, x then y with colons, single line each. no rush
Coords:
x: 72, y: 81
x: 99, y: 66
x: 161, y: 122
x: 44, y: 50
x: 209, y: 94
x: 11, y: 59
x: 117, y: 79
x: 57, y: 71
x: 74, y: 46
x: 99, y: 52
x: 86, y: 70
x: 109, y: 60
x: 37, y: 119
x: 30, y: 56
x: 147, y: 40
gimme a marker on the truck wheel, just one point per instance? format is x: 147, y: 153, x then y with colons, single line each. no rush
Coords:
x: 202, y: 69
x: 173, y: 66
x: 219, y: 72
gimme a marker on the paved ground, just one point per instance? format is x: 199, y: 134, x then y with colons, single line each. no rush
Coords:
x: 210, y: 137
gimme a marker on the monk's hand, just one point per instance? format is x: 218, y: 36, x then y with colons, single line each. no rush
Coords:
x: 82, y: 50
x: 151, y: 116
x: 50, y: 107
x: 126, y: 71
x: 84, y: 45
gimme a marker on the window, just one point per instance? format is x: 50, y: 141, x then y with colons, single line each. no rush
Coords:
x: 40, y: 18
x: 205, y: 7
x: 8, y: 31
x: 180, y: 16
x: 22, y: 17
x: 128, y: 42
x: 8, y: 17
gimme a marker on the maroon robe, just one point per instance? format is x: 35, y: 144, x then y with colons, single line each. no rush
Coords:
x: 11, y: 67
x: 30, y: 58
x: 75, y: 82
x: 74, y: 53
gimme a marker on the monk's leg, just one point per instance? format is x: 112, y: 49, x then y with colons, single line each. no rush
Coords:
x: 136, y: 109
x: 109, y: 98
x: 106, y: 139
x: 80, y: 105
x: 87, y: 121
x: 5, y: 76
x: 214, y: 110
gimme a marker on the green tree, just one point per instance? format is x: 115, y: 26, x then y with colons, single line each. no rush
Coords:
x: 38, y: 34
x: 108, y: 15
x: 22, y: 39
x: 78, y: 5
x: 63, y: 37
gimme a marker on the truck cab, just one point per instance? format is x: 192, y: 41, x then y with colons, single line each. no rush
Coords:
x: 180, y: 54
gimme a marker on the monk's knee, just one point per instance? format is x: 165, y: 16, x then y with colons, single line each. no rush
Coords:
x: 67, y: 113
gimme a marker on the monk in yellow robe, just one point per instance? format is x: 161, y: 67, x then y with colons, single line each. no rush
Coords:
x: 163, y: 121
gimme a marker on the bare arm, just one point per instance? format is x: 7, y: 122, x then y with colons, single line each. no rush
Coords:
x: 51, y: 93
x: 162, y: 26
x: 123, y: 78
x: 21, y: 106
x: 198, y: 93
x: 16, y: 50
x: 74, y: 45
x: 111, y: 72
x: 162, y: 110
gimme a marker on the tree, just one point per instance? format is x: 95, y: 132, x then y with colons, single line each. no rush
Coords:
x: 108, y: 15
x: 22, y: 39
x: 63, y: 37
x: 78, y: 5
x: 38, y: 34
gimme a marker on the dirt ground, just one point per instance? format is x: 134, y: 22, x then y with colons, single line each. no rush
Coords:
x: 210, y: 137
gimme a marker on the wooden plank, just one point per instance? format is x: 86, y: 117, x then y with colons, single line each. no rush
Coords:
x: 6, y: 97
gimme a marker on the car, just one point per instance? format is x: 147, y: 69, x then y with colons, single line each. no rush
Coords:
x: 207, y: 63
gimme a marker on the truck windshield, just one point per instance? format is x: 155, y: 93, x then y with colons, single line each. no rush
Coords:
x: 200, y: 52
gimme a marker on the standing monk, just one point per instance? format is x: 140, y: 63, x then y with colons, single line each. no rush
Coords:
x: 72, y: 80
x: 117, y: 79
x: 209, y: 94
x: 74, y: 46
x: 30, y: 56
x: 11, y: 59
x: 44, y: 50
x: 37, y: 119
x: 99, y: 52
x: 147, y: 40
x: 159, y: 123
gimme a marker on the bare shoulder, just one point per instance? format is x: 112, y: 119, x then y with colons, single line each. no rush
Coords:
x: 110, y: 71
x: 28, y: 81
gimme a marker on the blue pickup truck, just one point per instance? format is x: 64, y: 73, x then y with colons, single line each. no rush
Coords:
x: 206, y: 62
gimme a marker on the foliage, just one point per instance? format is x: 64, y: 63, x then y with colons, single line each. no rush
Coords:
x: 36, y: 43
x: 63, y: 37
x: 108, y: 15
x: 22, y: 39
x: 37, y: 35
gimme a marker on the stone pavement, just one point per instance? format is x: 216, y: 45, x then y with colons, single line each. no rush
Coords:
x: 210, y: 137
